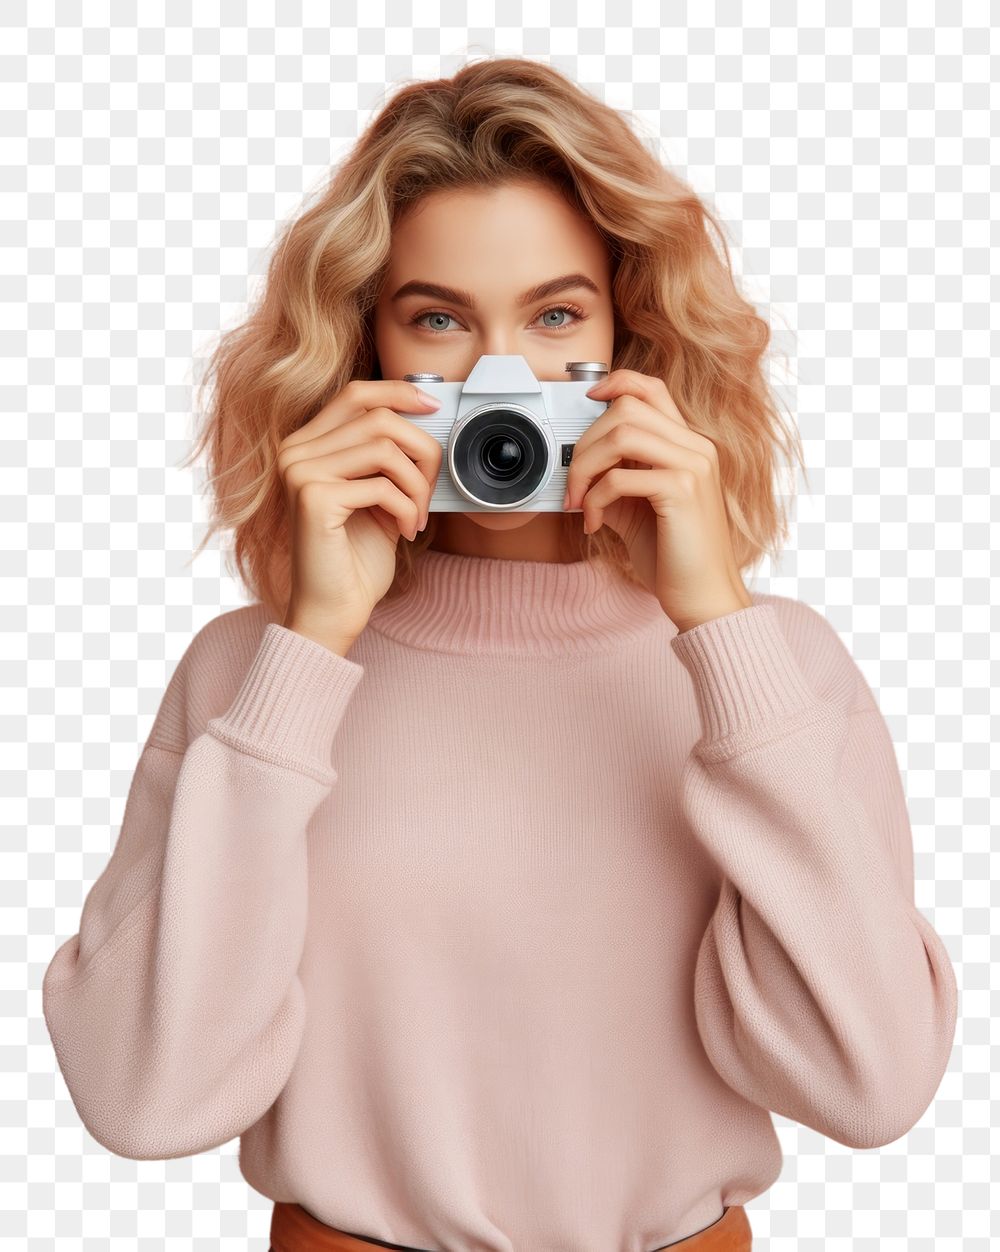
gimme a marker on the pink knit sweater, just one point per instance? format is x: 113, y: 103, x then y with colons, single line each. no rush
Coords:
x: 506, y: 931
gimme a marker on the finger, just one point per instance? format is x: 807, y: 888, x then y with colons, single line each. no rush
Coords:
x: 374, y: 457
x: 619, y: 484
x: 351, y: 494
x: 624, y: 441
x: 637, y: 432
x: 359, y: 396
x: 419, y: 445
x: 643, y: 386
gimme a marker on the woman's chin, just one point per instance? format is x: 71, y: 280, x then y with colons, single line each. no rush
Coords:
x: 501, y: 521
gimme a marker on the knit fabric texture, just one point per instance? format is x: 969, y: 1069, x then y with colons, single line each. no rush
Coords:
x: 509, y: 930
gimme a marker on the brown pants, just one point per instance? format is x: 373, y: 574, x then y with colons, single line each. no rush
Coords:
x: 293, y: 1229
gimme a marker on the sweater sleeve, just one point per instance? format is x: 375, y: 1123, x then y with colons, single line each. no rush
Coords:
x: 821, y: 992
x: 176, y: 1013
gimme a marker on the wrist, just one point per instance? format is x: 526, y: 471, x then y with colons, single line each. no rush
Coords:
x: 340, y: 644
x: 708, y: 615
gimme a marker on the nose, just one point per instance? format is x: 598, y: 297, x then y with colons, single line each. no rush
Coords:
x: 499, y: 342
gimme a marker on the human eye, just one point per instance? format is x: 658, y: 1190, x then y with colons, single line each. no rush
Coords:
x: 577, y: 312
x: 417, y: 318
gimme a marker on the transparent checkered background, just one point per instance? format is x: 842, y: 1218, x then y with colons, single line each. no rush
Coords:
x: 145, y: 170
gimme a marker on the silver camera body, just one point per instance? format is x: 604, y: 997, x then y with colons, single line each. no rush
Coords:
x: 507, y: 438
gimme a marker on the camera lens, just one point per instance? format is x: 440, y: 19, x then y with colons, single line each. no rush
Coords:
x: 502, y: 455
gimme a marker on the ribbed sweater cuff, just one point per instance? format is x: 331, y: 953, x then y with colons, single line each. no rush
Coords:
x: 745, y: 675
x: 291, y: 702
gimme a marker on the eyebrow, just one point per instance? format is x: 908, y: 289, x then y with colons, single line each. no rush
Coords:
x: 464, y: 299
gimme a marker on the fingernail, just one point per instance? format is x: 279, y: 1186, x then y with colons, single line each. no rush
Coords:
x: 428, y: 399
x: 566, y: 500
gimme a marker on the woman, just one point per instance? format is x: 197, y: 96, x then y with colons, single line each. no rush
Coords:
x: 495, y: 889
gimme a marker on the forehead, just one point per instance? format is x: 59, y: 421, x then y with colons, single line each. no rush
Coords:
x: 505, y: 237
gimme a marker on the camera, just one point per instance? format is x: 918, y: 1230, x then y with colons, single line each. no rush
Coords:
x: 507, y: 437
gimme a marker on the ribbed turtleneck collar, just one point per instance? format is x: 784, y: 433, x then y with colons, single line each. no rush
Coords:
x: 489, y: 605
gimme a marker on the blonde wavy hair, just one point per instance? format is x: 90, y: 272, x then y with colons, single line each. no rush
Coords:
x: 678, y: 314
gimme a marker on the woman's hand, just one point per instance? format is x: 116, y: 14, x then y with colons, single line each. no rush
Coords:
x: 356, y: 476
x: 658, y: 488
